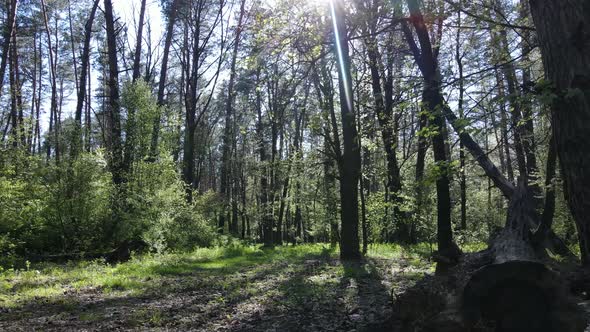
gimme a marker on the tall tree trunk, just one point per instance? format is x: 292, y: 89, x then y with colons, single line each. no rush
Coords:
x: 226, y: 161
x: 329, y: 194
x: 34, y: 118
x: 53, y: 68
x: 114, y: 117
x: 549, y: 209
x: 349, y: 176
x: 88, y: 112
x: 383, y: 99
x: 14, y: 91
x: 39, y: 97
x: 137, y: 54
x: 528, y: 133
x: 191, y: 113
x: 72, y: 44
x: 163, y: 74
x: 434, y: 103
x: 504, y: 128
x: 462, y: 180
x: 333, y: 155
x: 77, y: 138
x: 509, y: 73
x: 11, y: 6
x: 131, y: 123
x: 266, y: 224
x: 563, y: 31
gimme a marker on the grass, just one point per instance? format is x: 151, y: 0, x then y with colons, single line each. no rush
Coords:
x: 140, y: 273
x: 147, y: 272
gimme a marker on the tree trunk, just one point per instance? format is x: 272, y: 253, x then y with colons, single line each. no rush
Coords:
x: 226, y: 175
x: 504, y: 128
x: 563, y: 30
x: 11, y: 6
x: 462, y: 180
x: 163, y: 74
x: 549, y: 209
x: 77, y: 138
x: 434, y: 104
x: 349, y: 176
x: 266, y: 224
x: 515, y: 289
x: 114, y: 115
x: 137, y: 54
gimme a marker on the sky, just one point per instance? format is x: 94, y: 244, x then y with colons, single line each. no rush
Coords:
x: 128, y: 11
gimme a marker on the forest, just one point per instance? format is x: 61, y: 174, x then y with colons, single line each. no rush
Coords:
x: 293, y: 165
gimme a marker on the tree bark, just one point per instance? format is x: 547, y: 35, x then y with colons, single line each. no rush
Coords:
x: 563, y: 31
x: 266, y: 224
x: 163, y: 75
x: 12, y: 6
x: 225, y: 176
x: 137, y: 54
x: 85, y: 58
x: 462, y: 180
x: 514, y: 288
x: 349, y: 177
x: 115, y: 147
x: 434, y: 104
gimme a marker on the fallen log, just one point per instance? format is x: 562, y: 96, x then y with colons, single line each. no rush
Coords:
x: 517, y: 291
x: 549, y: 239
x: 511, y: 286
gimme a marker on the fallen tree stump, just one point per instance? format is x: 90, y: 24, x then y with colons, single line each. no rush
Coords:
x: 507, y: 287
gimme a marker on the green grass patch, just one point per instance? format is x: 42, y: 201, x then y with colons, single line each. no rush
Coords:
x: 153, y: 272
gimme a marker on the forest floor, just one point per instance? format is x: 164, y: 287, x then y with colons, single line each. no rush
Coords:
x: 240, y: 288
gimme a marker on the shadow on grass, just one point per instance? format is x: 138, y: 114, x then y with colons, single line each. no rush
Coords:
x: 326, y: 295
x: 236, y: 289
x: 181, y: 290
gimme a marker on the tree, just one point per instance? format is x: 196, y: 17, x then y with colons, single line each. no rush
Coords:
x: 563, y: 32
x: 172, y: 15
x: 113, y: 124
x: 350, y: 169
x: 433, y: 104
x: 85, y: 58
x: 226, y: 176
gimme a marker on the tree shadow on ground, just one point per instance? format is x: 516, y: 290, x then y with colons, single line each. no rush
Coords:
x: 189, y: 293
x: 327, y: 295
x: 274, y: 289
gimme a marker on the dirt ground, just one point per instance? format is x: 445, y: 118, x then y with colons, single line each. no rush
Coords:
x: 313, y: 293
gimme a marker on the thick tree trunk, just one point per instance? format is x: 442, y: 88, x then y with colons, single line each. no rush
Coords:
x: 515, y: 289
x: 350, y: 169
x: 115, y: 147
x: 434, y: 104
x: 11, y: 6
x: 563, y: 31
